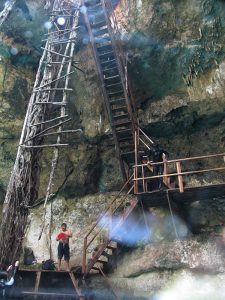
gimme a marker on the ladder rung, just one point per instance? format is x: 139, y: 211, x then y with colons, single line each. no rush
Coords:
x: 124, y: 131
x: 100, y: 32
x: 117, y: 109
x: 104, y: 48
x: 94, y: 7
x: 109, y: 69
x: 99, y: 24
x: 115, y: 93
x: 112, y: 77
x: 120, y: 116
x: 92, y: 2
x: 127, y: 153
x: 109, y: 61
x: 112, y: 102
x: 114, y: 84
x: 127, y: 138
x: 106, y: 53
x: 102, y: 40
x: 122, y: 123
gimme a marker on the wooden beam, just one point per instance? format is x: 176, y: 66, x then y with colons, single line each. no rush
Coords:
x: 44, y: 146
x: 57, y: 79
x: 180, y: 178
x: 37, y: 282
x: 48, y: 121
x: 76, y: 286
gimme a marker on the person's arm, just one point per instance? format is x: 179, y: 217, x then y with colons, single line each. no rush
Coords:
x: 165, y: 155
x: 69, y: 233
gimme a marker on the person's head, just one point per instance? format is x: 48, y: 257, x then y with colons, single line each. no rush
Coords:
x: 144, y: 159
x: 63, y: 226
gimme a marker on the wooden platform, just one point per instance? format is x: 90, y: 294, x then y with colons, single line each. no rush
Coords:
x: 47, y: 284
x: 159, y: 197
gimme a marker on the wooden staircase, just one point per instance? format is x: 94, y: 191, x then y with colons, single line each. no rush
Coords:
x: 103, y: 250
x: 98, y: 16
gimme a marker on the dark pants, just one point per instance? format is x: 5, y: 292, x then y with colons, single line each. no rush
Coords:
x: 157, y: 171
x: 64, y: 250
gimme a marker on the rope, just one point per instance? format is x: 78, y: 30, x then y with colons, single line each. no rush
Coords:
x: 146, y: 222
x: 171, y: 213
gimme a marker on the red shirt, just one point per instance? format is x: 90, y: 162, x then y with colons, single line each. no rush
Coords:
x: 62, y: 236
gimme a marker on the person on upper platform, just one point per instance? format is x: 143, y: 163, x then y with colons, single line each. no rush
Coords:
x: 158, y: 154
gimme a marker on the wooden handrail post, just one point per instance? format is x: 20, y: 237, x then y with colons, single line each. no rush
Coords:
x: 180, y: 177
x: 84, y: 264
x: 166, y: 179
x: 143, y: 178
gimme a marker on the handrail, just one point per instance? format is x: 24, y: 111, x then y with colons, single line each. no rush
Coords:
x: 139, y: 172
x: 182, y: 159
x: 147, y: 137
x: 180, y: 173
x: 101, y: 217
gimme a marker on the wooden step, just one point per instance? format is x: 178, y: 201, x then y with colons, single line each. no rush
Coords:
x: 111, y: 247
x: 124, y: 131
x: 108, y: 62
x: 122, y: 116
x: 122, y: 122
x: 100, y: 32
x: 98, y: 24
x: 115, y: 93
x: 102, y: 40
x: 114, y: 84
x: 104, y: 48
x: 102, y: 261
x: 92, y: 2
x: 95, y: 268
x: 94, y: 7
x: 119, y: 109
x: 110, y: 69
x: 106, y: 54
x: 122, y: 101
x: 126, y: 138
x: 112, y: 77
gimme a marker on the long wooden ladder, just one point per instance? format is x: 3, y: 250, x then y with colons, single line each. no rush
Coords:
x: 111, y: 70
x: 43, y: 126
x: 8, y: 6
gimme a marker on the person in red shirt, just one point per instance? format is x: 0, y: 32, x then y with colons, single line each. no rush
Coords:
x: 63, y: 247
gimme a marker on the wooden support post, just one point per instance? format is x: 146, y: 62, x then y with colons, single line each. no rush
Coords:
x: 143, y: 178
x: 180, y: 178
x: 166, y: 179
x: 37, y: 282
x: 84, y: 256
x: 76, y: 286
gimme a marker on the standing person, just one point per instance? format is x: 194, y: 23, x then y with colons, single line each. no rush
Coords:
x: 158, y: 155
x: 63, y: 246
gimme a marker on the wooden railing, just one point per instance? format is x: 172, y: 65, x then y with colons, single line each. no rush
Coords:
x: 174, y: 172
x: 103, y: 225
